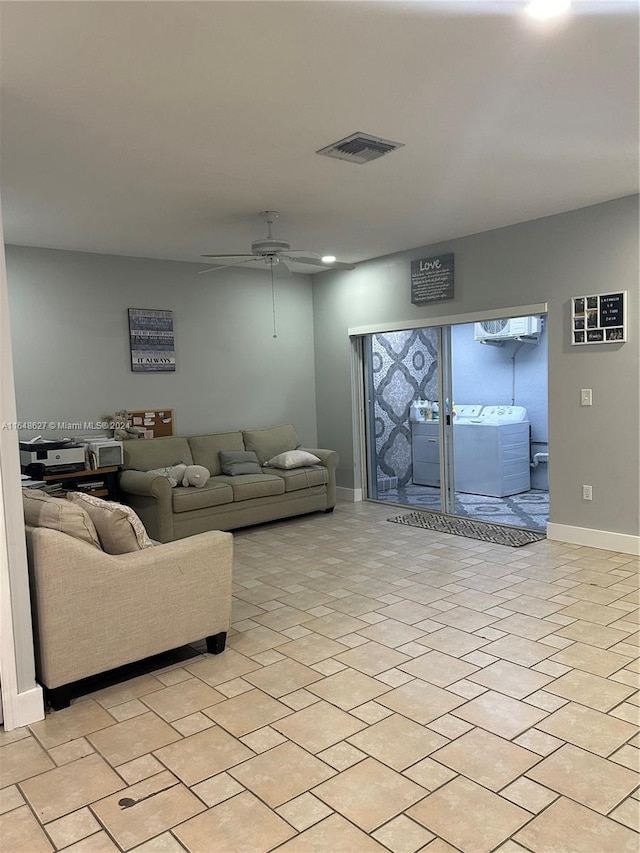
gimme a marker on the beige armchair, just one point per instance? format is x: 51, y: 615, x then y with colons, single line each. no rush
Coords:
x: 95, y: 611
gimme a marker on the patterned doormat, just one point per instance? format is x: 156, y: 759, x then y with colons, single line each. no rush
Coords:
x: 499, y: 534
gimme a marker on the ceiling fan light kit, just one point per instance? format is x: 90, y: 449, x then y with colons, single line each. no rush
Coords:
x: 273, y: 251
x: 543, y: 9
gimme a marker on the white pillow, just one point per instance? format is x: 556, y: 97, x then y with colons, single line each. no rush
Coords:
x: 292, y: 459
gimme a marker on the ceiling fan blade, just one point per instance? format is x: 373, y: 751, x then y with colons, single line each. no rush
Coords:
x: 318, y: 262
x: 339, y: 265
x: 283, y: 270
x: 244, y: 255
x: 227, y: 266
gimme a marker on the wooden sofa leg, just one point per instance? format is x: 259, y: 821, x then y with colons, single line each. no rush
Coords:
x: 216, y: 643
x: 59, y: 697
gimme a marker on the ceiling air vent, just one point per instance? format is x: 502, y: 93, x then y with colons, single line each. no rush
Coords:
x: 360, y: 148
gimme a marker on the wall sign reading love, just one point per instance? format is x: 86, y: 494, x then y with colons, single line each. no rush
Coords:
x: 432, y: 279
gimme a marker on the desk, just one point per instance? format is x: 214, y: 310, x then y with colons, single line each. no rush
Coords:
x: 107, y: 487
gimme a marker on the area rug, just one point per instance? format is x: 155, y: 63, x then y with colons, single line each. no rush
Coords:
x: 499, y: 534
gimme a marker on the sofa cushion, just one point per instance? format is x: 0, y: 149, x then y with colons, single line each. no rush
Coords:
x: 270, y: 441
x: 119, y: 528
x: 146, y: 454
x: 41, y: 510
x: 292, y: 459
x: 234, y: 462
x: 303, y: 478
x: 248, y: 486
x: 211, y: 494
x: 205, y: 449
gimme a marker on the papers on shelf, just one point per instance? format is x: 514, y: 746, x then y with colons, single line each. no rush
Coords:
x: 28, y: 483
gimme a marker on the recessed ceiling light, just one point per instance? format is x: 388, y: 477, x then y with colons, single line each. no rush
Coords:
x: 547, y: 8
x: 328, y: 259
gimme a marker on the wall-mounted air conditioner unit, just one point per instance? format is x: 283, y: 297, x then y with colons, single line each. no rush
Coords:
x: 528, y: 328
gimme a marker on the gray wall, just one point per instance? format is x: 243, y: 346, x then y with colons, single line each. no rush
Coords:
x: 592, y: 250
x: 68, y: 314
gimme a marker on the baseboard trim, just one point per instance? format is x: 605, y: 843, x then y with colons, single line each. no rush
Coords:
x: 20, y: 709
x: 351, y: 495
x: 622, y: 543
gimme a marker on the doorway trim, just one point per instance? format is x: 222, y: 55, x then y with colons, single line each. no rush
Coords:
x: 451, y: 319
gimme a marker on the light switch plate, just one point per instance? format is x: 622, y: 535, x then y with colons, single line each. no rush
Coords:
x: 586, y: 398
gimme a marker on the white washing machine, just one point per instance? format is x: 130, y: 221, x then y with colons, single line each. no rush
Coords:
x: 491, y: 452
x: 425, y: 445
x: 465, y: 413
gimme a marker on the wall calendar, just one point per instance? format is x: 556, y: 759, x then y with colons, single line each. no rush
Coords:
x: 599, y: 319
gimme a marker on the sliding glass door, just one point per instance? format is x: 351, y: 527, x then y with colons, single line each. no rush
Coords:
x: 456, y: 421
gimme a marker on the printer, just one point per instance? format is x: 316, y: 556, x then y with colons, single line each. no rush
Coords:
x: 51, y: 457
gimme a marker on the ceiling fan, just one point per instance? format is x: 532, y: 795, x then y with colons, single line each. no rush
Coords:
x: 276, y: 252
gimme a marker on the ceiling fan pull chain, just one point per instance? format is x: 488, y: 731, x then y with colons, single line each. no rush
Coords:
x: 273, y: 302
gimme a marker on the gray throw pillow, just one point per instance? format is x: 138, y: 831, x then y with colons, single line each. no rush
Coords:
x: 234, y: 462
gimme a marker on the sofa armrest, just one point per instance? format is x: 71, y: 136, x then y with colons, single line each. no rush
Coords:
x: 95, y: 611
x: 150, y: 495
x: 328, y: 458
x: 145, y: 483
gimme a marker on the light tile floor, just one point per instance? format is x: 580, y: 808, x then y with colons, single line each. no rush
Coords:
x: 384, y: 689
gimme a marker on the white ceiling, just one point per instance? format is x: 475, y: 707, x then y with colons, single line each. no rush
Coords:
x: 160, y: 129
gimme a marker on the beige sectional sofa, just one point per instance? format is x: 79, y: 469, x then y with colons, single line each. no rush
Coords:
x: 225, y: 502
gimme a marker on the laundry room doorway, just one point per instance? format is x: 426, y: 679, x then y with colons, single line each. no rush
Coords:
x: 455, y: 419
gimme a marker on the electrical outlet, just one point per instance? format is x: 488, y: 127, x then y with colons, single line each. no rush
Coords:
x: 586, y: 398
x: 587, y: 493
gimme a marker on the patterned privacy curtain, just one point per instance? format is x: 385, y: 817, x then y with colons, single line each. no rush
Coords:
x: 404, y: 368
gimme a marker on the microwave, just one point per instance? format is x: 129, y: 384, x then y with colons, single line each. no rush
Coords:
x: 104, y: 454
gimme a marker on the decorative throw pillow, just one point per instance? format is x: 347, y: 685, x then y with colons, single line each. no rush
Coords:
x: 234, y: 462
x: 41, y: 510
x: 119, y: 528
x: 292, y: 459
x: 270, y: 441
